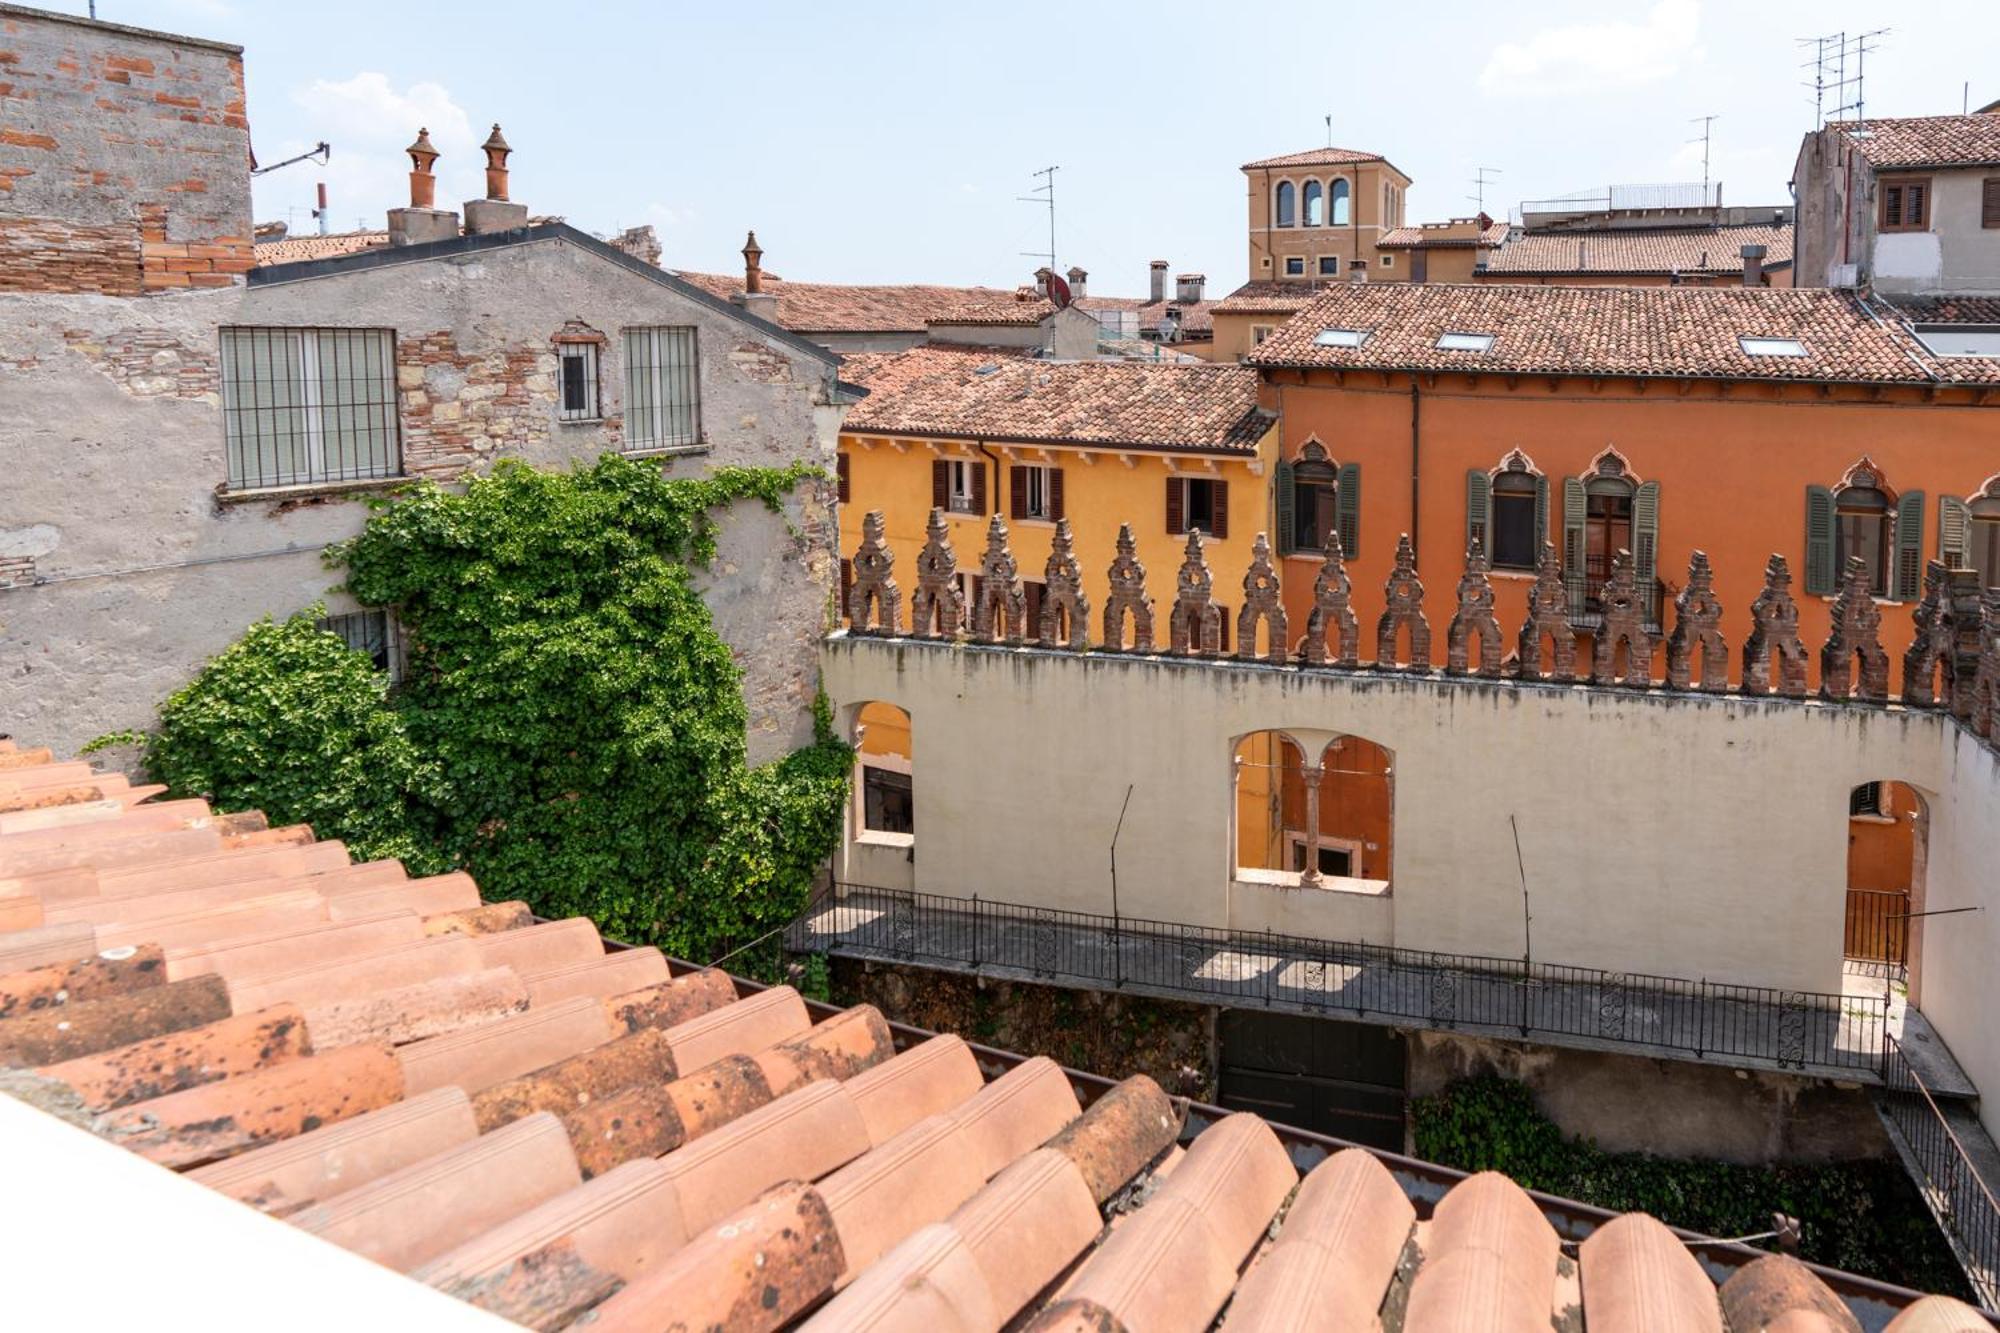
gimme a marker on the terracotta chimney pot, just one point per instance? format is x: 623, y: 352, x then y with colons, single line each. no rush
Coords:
x: 753, y: 266
x: 423, y: 183
x: 496, y: 150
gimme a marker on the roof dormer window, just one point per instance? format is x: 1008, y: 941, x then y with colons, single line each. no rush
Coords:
x: 1771, y: 346
x: 1339, y: 338
x: 1465, y: 342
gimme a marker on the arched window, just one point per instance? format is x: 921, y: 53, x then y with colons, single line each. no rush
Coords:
x: 1339, y: 207
x: 1315, y: 211
x: 1515, y: 530
x: 1969, y: 532
x: 885, y: 809
x: 1313, y: 823
x: 1861, y: 528
x: 1985, y: 538
x: 1287, y: 204
x: 1314, y: 511
x: 1605, y: 511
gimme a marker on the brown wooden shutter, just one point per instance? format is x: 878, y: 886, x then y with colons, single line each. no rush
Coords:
x: 1017, y: 492
x: 1034, y: 598
x: 840, y: 472
x: 1222, y: 625
x: 1989, y: 202
x: 1916, y: 204
x: 978, y: 485
x: 1176, y: 510
x: 1221, y: 511
x: 940, y: 484
x: 1055, y: 495
x: 846, y: 583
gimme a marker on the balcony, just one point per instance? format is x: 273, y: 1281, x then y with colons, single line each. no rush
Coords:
x: 1586, y: 612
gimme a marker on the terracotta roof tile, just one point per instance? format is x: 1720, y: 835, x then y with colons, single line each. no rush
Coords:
x: 1427, y: 238
x: 1926, y: 141
x: 831, y: 307
x: 1268, y: 298
x: 1008, y: 311
x: 302, y: 248
x: 1651, y: 251
x: 955, y: 393
x: 801, y: 1165
x: 1156, y: 317
x: 1640, y: 331
x: 1315, y: 157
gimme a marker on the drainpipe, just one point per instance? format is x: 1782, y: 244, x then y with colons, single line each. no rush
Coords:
x: 1416, y: 471
x: 993, y: 491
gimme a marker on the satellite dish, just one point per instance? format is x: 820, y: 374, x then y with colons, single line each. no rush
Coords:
x: 1059, y: 292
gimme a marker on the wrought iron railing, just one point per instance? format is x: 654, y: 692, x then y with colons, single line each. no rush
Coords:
x: 1585, y: 585
x: 1962, y: 1203
x: 1804, y: 1030
x: 1878, y: 926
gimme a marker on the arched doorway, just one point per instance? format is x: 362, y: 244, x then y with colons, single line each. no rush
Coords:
x: 882, y: 808
x: 1888, y: 826
x: 1308, y: 821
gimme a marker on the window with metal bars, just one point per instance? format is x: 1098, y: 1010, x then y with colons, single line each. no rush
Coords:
x: 301, y: 406
x: 662, y: 388
x: 370, y: 632
x: 578, y: 382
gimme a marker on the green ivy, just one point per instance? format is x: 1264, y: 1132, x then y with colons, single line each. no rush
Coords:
x: 1862, y: 1216
x: 570, y: 727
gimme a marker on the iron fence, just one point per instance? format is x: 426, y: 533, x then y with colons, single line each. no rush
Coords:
x: 1586, y: 585
x: 1803, y: 1030
x: 1878, y: 926
x: 1958, y: 1198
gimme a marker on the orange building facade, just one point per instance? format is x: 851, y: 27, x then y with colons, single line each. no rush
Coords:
x: 1660, y: 439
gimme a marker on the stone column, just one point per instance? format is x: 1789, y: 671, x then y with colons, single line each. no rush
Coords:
x: 1312, y: 773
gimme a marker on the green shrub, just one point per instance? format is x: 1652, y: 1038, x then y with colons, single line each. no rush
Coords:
x: 570, y: 726
x: 1863, y: 1216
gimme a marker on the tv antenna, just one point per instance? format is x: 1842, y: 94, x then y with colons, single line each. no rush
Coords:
x: 1045, y: 194
x: 319, y: 152
x: 1707, y: 124
x: 1329, y: 128
x: 1839, y: 65
x: 1481, y: 178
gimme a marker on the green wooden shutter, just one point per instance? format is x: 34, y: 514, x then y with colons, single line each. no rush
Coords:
x: 1820, y: 575
x: 1954, y: 532
x: 1646, y: 537
x: 1479, y: 510
x: 1282, y: 485
x: 1541, y: 514
x: 1347, y: 505
x: 1908, y: 583
x: 1573, y: 512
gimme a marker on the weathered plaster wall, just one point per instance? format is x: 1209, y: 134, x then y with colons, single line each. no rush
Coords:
x: 124, y: 159
x: 111, y: 432
x: 1958, y: 981
x: 1696, y: 837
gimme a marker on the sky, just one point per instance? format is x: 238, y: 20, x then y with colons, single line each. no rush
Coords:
x: 892, y: 142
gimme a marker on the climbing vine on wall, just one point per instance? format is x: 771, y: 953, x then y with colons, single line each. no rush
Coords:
x: 569, y: 728
x: 1863, y: 1216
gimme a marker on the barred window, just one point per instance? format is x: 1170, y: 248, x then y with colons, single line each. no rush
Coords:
x: 662, y: 388
x: 578, y: 362
x: 309, y: 405
x: 369, y: 632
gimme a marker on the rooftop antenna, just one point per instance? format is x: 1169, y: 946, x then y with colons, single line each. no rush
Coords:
x: 1480, y: 181
x: 1707, y: 124
x: 1045, y: 193
x: 1329, y: 127
x: 1837, y: 93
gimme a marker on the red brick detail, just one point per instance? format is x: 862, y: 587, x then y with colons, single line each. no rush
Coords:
x: 51, y: 255
x: 17, y: 139
x: 460, y: 409
x: 149, y: 362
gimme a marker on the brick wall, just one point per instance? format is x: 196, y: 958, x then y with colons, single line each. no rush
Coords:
x: 460, y: 409
x: 124, y: 159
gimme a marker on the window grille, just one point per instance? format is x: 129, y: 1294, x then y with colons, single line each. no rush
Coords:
x: 369, y: 632
x: 578, y: 363
x: 309, y: 405
x: 662, y: 388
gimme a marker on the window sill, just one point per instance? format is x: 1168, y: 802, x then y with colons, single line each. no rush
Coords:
x: 1871, y: 819
x: 224, y: 494
x: 664, y: 451
x: 869, y: 837
x: 1250, y: 877
x: 1514, y: 575
x: 579, y: 421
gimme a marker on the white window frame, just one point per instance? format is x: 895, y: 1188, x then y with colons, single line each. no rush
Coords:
x: 1770, y: 346
x: 392, y: 635
x: 1295, y: 845
x: 958, y: 486
x: 304, y: 396
x: 1465, y: 342
x: 592, y: 409
x: 1036, y: 505
x: 662, y: 381
x: 1259, y: 332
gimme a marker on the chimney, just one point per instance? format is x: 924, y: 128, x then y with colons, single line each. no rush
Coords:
x: 1042, y: 276
x: 1159, y: 285
x: 422, y: 221
x: 1753, y: 265
x: 640, y: 242
x: 753, y: 266
x: 1077, y: 279
x: 495, y: 212
x: 1187, y: 287
x: 1357, y: 270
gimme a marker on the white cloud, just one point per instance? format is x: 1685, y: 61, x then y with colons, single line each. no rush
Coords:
x: 369, y: 122
x: 1596, y: 57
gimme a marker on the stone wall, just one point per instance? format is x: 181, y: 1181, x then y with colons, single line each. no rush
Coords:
x: 124, y: 159
x: 138, y: 562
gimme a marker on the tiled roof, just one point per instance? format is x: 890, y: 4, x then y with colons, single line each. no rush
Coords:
x: 946, y: 393
x: 1268, y: 298
x: 1424, y: 238
x: 1013, y: 311
x: 297, y: 249
x: 830, y: 307
x: 1927, y: 141
x: 1653, y: 250
x: 554, y: 1132
x: 1641, y: 331
x: 1946, y: 309
x: 1315, y: 157
x: 1193, y: 316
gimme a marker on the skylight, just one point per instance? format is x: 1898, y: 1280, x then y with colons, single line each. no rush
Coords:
x: 1340, y: 338
x: 1960, y: 339
x: 1771, y: 346
x: 1465, y: 342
